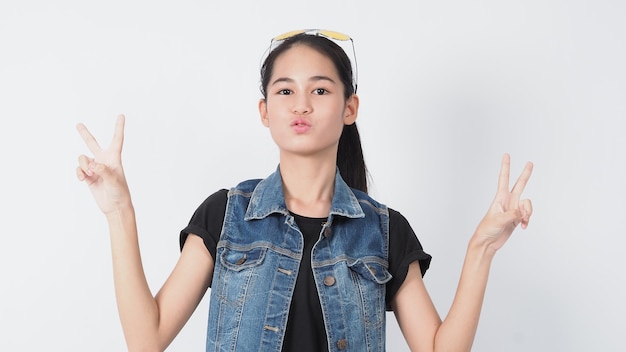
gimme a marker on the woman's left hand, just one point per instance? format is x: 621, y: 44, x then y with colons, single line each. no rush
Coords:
x: 507, y: 209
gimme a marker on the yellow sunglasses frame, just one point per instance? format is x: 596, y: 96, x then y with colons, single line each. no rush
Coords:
x: 334, y: 35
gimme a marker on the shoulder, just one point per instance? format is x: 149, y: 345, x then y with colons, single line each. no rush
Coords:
x: 369, y: 202
x: 397, y: 219
x: 218, y: 199
x: 246, y: 186
x: 400, y: 229
x: 211, y: 208
x: 215, y: 200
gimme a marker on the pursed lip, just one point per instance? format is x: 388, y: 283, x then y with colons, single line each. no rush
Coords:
x: 300, y: 126
x: 300, y: 122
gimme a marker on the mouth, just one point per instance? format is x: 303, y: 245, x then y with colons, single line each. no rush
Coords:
x: 300, y: 126
x: 300, y: 123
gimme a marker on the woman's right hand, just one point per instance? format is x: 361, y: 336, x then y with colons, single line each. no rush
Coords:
x: 103, y: 172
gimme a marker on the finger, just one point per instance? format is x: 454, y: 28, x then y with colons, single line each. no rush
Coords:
x: 85, y: 176
x: 527, y: 207
x: 90, y: 141
x: 527, y: 211
x: 512, y: 216
x: 100, y: 170
x: 83, y: 164
x: 88, y: 174
x: 521, y: 182
x: 503, y: 179
x: 80, y: 174
x: 118, y: 134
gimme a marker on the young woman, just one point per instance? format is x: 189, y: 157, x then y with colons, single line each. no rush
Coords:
x: 303, y: 259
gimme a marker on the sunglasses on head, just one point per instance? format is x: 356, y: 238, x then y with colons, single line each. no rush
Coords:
x: 333, y: 35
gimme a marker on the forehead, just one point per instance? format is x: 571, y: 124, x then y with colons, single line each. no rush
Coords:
x: 303, y: 58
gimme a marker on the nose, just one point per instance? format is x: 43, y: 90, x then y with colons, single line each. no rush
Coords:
x: 302, y: 105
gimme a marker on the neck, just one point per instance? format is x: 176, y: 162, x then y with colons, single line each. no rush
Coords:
x: 308, y: 184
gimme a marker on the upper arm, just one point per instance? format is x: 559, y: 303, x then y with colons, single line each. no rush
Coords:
x: 183, y: 290
x: 416, y: 314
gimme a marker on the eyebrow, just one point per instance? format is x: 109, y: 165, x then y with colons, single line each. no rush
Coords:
x: 312, y: 79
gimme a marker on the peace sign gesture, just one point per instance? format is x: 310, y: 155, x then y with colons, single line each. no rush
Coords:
x: 103, y: 172
x: 507, y: 210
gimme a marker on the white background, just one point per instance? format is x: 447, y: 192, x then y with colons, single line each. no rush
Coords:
x: 446, y: 88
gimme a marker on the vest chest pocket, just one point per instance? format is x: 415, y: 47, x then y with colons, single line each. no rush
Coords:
x: 235, y: 286
x: 369, y: 278
x: 239, y: 260
x: 235, y: 276
x: 371, y: 270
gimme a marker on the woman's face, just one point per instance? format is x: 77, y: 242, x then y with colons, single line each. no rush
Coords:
x: 305, y: 108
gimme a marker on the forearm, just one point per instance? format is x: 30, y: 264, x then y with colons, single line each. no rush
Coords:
x: 137, y: 307
x: 458, y: 329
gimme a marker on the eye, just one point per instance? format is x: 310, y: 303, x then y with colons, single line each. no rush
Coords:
x: 320, y: 91
x: 284, y: 91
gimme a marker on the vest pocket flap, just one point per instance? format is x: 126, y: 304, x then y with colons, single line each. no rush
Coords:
x: 239, y: 260
x: 371, y: 270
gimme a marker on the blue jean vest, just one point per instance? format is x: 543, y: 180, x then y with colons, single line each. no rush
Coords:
x: 257, y: 262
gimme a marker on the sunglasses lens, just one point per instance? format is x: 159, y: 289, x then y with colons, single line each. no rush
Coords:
x: 335, y: 35
x: 329, y: 34
x: 288, y: 35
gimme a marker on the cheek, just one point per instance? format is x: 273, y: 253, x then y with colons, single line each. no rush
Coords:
x: 268, y: 115
x: 274, y: 107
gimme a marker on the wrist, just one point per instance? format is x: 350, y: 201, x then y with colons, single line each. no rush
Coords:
x: 479, y: 248
x: 119, y: 211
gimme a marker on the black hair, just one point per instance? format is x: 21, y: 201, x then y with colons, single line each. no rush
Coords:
x: 350, y: 159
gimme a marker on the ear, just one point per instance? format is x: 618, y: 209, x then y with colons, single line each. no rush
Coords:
x: 263, y: 113
x: 351, y: 111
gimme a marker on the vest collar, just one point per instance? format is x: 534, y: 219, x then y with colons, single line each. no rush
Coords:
x: 268, y: 198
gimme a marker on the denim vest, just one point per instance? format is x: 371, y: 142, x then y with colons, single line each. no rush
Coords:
x: 257, y: 262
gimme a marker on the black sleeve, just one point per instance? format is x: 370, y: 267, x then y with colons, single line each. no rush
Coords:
x: 207, y: 221
x: 404, y: 248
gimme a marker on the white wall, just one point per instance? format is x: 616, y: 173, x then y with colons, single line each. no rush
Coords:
x: 446, y: 88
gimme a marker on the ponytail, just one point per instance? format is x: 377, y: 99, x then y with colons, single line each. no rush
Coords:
x: 350, y: 159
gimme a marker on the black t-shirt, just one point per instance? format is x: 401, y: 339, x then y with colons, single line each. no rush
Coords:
x: 305, y: 325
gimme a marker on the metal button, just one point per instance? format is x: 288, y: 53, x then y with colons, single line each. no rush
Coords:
x: 241, y: 260
x: 329, y: 281
x: 342, y: 344
x: 327, y: 232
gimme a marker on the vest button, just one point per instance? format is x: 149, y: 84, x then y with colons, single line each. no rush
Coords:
x: 342, y: 344
x: 241, y: 260
x: 327, y: 232
x: 329, y: 281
